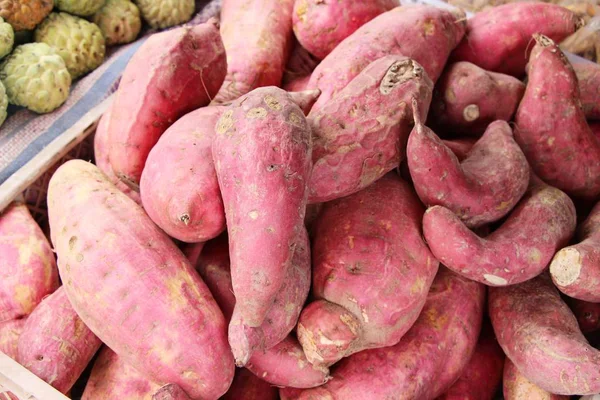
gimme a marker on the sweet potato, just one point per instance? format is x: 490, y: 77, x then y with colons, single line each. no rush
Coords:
x: 366, y: 253
x: 460, y: 146
x: 515, y: 251
x: 426, y: 34
x: 587, y: 314
x: 468, y: 98
x: 112, y: 379
x: 109, y: 249
x: 361, y: 133
x: 517, y: 387
x: 27, y: 266
x: 499, y: 39
x: 9, y: 336
x: 170, y: 392
x: 551, y: 127
x: 428, y: 359
x: 539, y: 334
x: 575, y: 269
x: 483, y: 188
x: 249, y: 387
x: 258, y: 37
x: 321, y: 25
x: 265, y: 204
x: 483, y: 374
x: 173, y: 73
x: 297, y: 84
x: 179, y: 186
x: 192, y: 251
x: 588, y: 79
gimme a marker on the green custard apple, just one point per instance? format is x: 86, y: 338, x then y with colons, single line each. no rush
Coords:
x: 119, y: 21
x: 7, y: 38
x: 3, y: 104
x: 166, y: 13
x: 83, y: 8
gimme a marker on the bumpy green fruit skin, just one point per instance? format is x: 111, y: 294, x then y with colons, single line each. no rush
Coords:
x: 119, y: 21
x: 7, y: 38
x: 166, y: 13
x: 3, y: 104
x: 79, y: 42
x: 36, y: 77
x: 83, y: 8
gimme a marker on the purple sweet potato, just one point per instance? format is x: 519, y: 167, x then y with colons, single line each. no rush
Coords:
x: 248, y: 386
x: 540, y: 335
x: 366, y: 253
x: 27, y: 266
x: 588, y: 78
x: 551, y: 127
x: 482, y: 188
x: 173, y: 73
x: 9, y: 336
x: 517, y: 387
x: 428, y: 359
x: 575, y: 269
x: 427, y: 34
x: 110, y: 252
x: 468, y: 98
x: 515, y: 251
x: 361, y: 133
x: 264, y: 204
x: 55, y: 343
x: 499, y: 39
x: 179, y: 186
x: 321, y: 25
x: 257, y: 35
x: 587, y: 314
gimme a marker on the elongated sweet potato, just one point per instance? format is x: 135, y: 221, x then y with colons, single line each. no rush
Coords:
x: 588, y: 79
x: 27, y: 265
x: 539, y: 334
x: 112, y: 378
x: 179, y: 186
x: 258, y: 37
x: 426, y: 34
x: 428, y: 359
x: 483, y: 188
x: 499, y: 39
x: 173, y: 73
x: 366, y: 252
x: 468, y: 98
x: 265, y: 204
x: 587, y: 314
x: 321, y: 25
x: 551, y: 127
x: 516, y: 387
x: 248, y: 386
x: 170, y: 391
x: 361, y: 133
x: 9, y: 336
x: 108, y: 248
x: 513, y: 253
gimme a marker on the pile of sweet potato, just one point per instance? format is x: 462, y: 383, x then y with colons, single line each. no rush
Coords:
x: 326, y: 200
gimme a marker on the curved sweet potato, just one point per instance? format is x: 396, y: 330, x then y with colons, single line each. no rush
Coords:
x: 28, y: 269
x: 265, y: 204
x: 551, y: 127
x: 482, y: 188
x: 539, y: 334
x: 499, y: 39
x: 361, y: 133
x: 588, y: 78
x: 108, y: 248
x: 468, y: 98
x: 9, y: 336
x: 248, y: 386
x: 366, y: 252
x: 517, y: 387
x: 587, y: 314
x: 513, y: 253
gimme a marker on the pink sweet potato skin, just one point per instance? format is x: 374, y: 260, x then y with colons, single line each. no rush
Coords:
x: 173, y: 73
x: 377, y: 117
x: 366, y: 252
x: 55, y: 343
x: 588, y: 78
x: 540, y: 335
x: 551, y: 127
x: 265, y: 204
x: 170, y: 392
x: 321, y: 25
x: 112, y: 378
x: 108, y: 249
x: 483, y: 188
x: 258, y: 37
x: 460, y: 146
x: 9, y: 336
x: 179, y: 186
x: 587, y: 314
x: 297, y: 84
x: 499, y: 39
x: 514, y: 252
x: 424, y: 33
x: 517, y: 387
x: 249, y: 387
x: 468, y: 98
x: 27, y: 265
x: 428, y: 359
